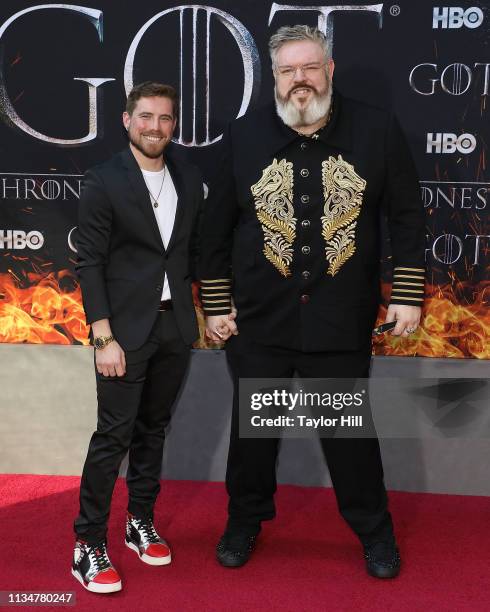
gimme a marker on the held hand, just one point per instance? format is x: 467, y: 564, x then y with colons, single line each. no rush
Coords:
x: 232, y: 326
x: 220, y: 327
x: 110, y: 361
x: 407, y: 318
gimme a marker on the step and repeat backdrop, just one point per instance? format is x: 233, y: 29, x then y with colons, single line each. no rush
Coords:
x: 65, y: 71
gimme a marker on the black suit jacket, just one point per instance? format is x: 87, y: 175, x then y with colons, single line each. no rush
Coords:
x: 121, y: 257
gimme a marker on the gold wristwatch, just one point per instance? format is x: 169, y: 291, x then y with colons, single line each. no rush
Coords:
x: 102, y: 341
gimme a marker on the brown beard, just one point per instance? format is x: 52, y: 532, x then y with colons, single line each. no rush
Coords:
x: 142, y: 150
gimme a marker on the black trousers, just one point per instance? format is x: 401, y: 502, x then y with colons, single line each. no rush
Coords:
x: 354, y: 463
x: 133, y: 411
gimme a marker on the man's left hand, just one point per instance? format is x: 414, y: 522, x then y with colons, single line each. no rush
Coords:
x: 407, y: 318
x: 220, y: 327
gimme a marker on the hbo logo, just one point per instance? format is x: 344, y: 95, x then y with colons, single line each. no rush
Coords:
x: 456, y: 17
x: 450, y: 143
x: 17, y: 239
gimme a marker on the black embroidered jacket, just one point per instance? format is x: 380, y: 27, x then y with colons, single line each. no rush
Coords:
x: 291, y: 227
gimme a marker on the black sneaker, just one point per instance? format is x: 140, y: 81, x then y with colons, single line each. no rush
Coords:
x: 234, y: 548
x: 142, y: 537
x: 93, y: 568
x: 382, y: 559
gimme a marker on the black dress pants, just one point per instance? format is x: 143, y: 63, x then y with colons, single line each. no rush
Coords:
x: 354, y: 463
x: 133, y: 411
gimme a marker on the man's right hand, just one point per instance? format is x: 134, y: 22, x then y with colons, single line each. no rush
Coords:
x: 221, y: 327
x: 110, y: 361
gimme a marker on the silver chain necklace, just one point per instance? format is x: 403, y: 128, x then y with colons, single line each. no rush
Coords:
x: 155, y: 200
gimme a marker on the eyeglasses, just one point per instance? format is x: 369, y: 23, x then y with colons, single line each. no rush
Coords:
x: 308, y: 70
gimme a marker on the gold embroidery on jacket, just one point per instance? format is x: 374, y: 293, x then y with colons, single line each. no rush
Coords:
x: 343, y: 191
x: 273, y: 195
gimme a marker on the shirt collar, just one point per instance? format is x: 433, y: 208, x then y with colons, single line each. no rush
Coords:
x: 336, y: 134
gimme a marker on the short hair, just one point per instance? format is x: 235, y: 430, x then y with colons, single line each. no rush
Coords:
x: 151, y: 89
x: 293, y: 33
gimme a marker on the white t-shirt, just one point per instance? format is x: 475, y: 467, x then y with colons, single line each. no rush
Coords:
x: 165, y: 211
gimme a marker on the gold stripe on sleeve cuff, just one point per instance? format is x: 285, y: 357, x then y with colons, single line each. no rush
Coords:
x: 403, y: 300
x: 407, y: 276
x: 410, y: 269
x: 216, y: 301
x: 216, y: 295
x: 408, y: 286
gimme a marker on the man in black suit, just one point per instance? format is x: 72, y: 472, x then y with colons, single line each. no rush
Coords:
x: 137, y: 228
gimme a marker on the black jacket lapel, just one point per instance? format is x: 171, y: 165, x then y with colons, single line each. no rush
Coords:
x: 140, y: 189
x: 179, y: 185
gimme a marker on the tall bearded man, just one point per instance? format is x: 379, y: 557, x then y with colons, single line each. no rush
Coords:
x: 291, y: 232
x: 137, y: 239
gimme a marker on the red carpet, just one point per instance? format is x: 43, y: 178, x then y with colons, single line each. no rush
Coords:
x: 306, y: 559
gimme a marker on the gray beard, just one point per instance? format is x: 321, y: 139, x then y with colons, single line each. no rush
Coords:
x: 295, y: 118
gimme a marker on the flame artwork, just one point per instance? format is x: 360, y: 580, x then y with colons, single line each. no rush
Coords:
x: 450, y: 327
x: 39, y: 311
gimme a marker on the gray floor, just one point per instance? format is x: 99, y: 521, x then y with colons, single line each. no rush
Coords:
x: 49, y: 412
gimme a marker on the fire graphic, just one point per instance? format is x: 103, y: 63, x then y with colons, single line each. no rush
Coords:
x: 43, y: 312
x: 47, y: 309
x: 449, y: 328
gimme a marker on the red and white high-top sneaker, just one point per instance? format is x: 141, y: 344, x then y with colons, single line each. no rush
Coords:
x: 142, y: 537
x: 93, y: 568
